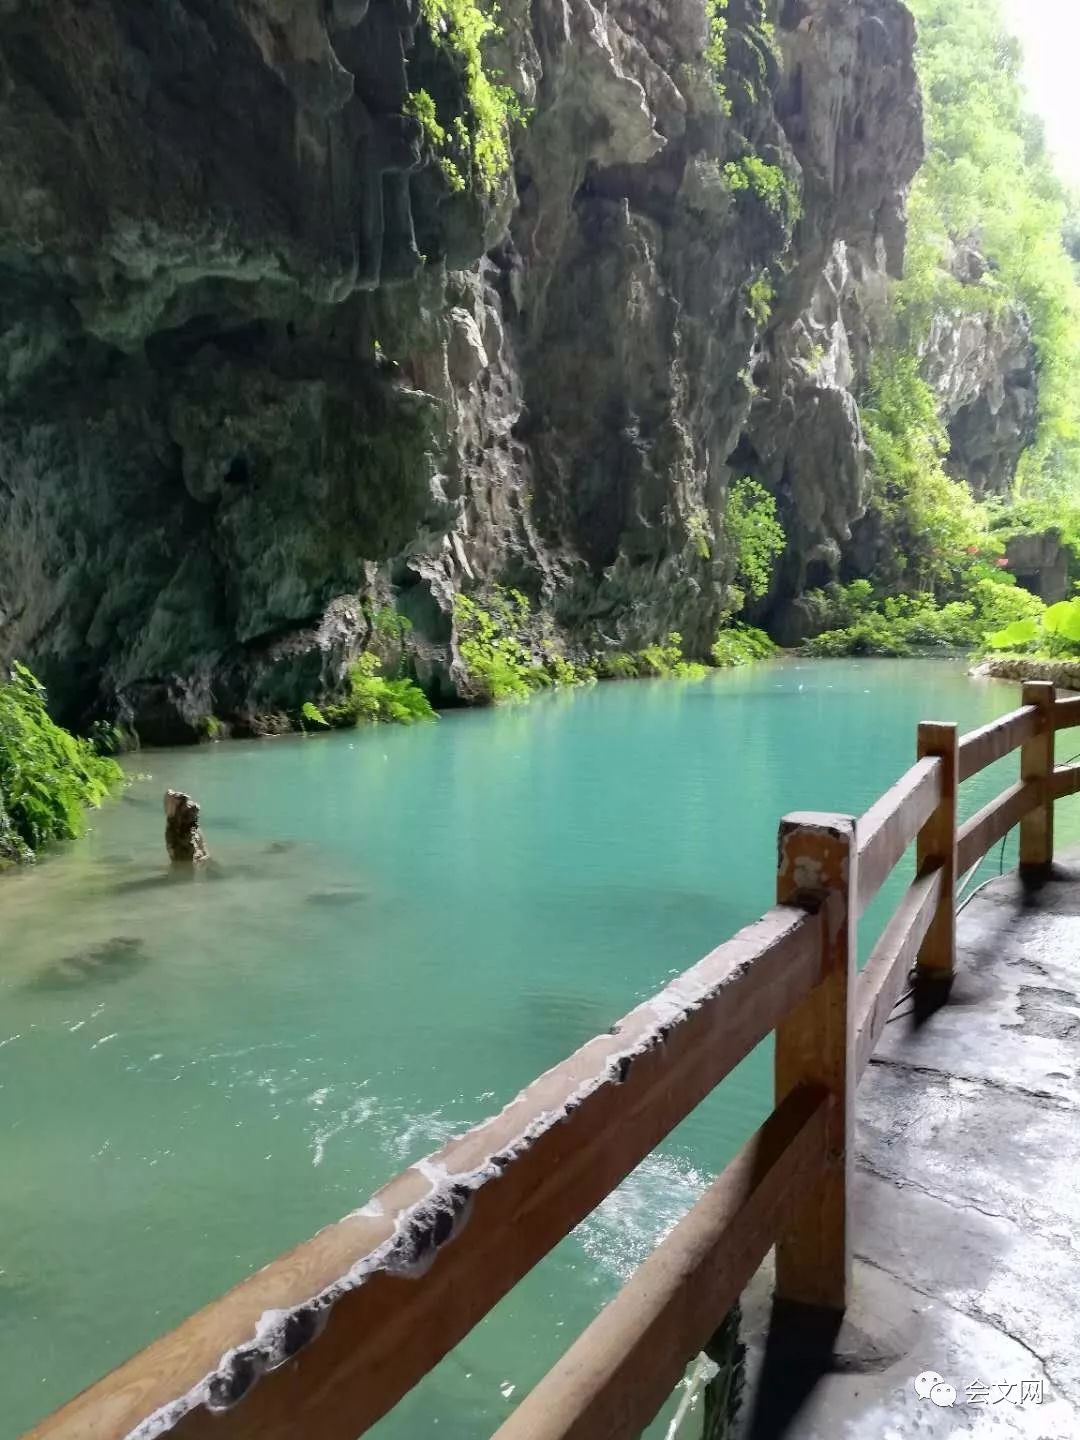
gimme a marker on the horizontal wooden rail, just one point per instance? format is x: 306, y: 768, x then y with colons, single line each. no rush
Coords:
x: 324, y: 1341
x: 618, y: 1375
x: 980, y: 748
x: 992, y: 823
x: 889, y: 827
x: 1067, y: 713
x: 1065, y: 782
x: 882, y: 979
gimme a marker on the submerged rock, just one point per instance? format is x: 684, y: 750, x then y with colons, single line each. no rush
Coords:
x: 334, y: 897
x: 111, y: 960
x: 183, y: 838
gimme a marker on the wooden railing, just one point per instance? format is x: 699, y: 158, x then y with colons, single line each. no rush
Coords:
x: 326, y: 1340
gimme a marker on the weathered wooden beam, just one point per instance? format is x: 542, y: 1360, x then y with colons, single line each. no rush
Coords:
x: 884, y: 975
x: 1066, y: 781
x: 818, y: 867
x: 325, y: 1340
x: 992, y: 823
x: 936, y: 849
x: 1067, y: 713
x: 1037, y: 768
x: 980, y: 748
x: 613, y: 1381
x: 890, y: 826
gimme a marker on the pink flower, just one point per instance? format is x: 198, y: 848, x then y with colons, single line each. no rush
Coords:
x: 972, y: 549
x: 1002, y: 563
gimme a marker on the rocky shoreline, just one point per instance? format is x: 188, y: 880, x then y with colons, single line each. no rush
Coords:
x: 1064, y: 673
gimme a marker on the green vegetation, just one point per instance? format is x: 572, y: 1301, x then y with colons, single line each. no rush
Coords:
x: 756, y: 538
x: 47, y: 776
x: 475, y: 146
x: 210, y: 727
x: 697, y: 527
x: 664, y: 660
x: 988, y: 178
x: 760, y: 299
x: 741, y: 645
x: 987, y: 187
x: 932, y: 522
x: 311, y: 715
x: 1052, y: 634
x: 372, y: 698
x: 716, y: 48
x: 855, y: 620
x: 506, y: 651
x: 770, y: 184
x: 387, y: 623
x: 667, y: 659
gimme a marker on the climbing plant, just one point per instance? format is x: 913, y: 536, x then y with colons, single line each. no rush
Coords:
x: 478, y: 142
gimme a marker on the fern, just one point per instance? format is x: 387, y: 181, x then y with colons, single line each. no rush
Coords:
x: 47, y: 776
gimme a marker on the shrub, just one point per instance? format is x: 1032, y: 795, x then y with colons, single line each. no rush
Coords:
x: 387, y: 623
x: 47, y: 776
x: 1053, y: 633
x: 667, y: 659
x: 770, y: 184
x: 373, y: 698
x: 617, y: 665
x: 740, y: 645
x: 755, y: 534
x: 856, y: 622
x: 492, y: 646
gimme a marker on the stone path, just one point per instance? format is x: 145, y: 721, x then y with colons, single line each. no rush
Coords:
x: 966, y: 1208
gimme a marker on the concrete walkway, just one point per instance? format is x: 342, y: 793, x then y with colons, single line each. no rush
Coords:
x: 966, y: 1208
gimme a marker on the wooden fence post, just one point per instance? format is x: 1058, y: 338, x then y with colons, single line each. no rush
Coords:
x: 1037, y: 764
x: 818, y: 859
x: 936, y: 846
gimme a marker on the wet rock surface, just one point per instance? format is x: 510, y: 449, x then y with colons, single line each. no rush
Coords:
x: 183, y: 838
x: 261, y: 371
x: 1065, y: 674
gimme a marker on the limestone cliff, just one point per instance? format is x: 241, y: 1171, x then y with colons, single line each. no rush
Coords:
x: 262, y: 365
x: 983, y: 368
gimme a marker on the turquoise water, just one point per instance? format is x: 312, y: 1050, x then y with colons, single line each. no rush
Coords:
x: 401, y: 928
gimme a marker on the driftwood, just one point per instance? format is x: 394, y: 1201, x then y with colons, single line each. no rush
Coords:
x: 183, y: 838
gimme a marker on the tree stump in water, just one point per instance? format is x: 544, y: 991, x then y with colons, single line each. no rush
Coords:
x: 183, y: 838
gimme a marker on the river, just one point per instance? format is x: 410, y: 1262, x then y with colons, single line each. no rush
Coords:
x: 400, y: 929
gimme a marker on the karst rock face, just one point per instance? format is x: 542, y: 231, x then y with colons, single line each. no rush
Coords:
x: 261, y: 367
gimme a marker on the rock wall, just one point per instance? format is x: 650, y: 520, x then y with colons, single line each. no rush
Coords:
x: 261, y: 368
x: 983, y: 369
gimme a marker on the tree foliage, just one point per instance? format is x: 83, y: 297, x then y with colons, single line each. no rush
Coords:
x: 932, y: 521
x: 989, y: 181
x: 856, y: 620
x: 756, y: 536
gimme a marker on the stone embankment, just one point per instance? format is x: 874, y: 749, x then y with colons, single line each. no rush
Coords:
x: 1065, y: 674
